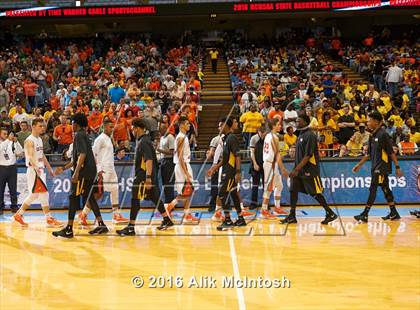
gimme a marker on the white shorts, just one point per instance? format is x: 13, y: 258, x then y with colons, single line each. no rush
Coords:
x: 110, y: 183
x: 272, y: 177
x: 34, y: 193
x: 181, y: 178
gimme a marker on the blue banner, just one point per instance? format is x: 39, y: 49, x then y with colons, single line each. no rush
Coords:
x: 341, y: 185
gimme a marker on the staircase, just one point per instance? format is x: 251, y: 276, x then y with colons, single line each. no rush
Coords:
x: 351, y: 74
x: 216, y: 100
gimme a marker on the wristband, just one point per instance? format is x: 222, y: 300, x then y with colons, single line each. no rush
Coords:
x: 238, y: 171
x: 148, y: 176
x: 397, y: 167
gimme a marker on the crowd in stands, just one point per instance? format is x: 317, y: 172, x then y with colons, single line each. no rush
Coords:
x: 113, y: 77
x: 271, y: 82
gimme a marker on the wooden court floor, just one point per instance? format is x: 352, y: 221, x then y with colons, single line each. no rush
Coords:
x: 342, y: 266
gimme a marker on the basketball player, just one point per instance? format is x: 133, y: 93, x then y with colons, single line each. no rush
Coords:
x: 103, y: 150
x: 305, y: 177
x: 231, y: 176
x: 218, y: 216
x: 272, y: 164
x: 145, y: 183
x: 35, y: 175
x: 183, y: 171
x: 380, y: 153
x: 82, y: 180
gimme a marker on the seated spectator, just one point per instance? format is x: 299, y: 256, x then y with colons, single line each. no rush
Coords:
x: 353, y: 147
x: 121, y: 154
x: 406, y: 147
x: 290, y: 138
x: 63, y: 134
x: 322, y: 146
x: 283, y: 147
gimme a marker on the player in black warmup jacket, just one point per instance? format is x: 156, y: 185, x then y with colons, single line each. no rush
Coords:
x: 305, y: 177
x: 380, y: 153
x: 145, y: 184
x: 231, y: 176
x: 82, y: 180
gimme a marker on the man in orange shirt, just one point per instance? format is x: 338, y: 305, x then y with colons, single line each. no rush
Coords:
x: 95, y: 120
x: 121, y: 131
x: 63, y: 134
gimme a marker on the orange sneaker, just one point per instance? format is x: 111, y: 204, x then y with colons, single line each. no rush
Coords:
x: 218, y: 217
x: 265, y: 214
x: 19, y: 218
x: 280, y: 210
x: 82, y: 219
x: 52, y: 222
x: 189, y: 218
x: 117, y: 218
x: 247, y: 214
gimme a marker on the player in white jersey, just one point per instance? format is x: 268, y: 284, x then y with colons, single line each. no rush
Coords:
x: 35, y: 175
x: 273, y: 164
x: 103, y: 150
x: 183, y: 171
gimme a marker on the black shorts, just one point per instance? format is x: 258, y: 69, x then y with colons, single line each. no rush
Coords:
x: 379, y: 178
x: 140, y: 192
x: 227, y: 184
x: 83, y: 188
x: 308, y: 185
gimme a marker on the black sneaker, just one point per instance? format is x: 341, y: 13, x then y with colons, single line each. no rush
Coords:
x: 126, y: 231
x: 14, y: 210
x: 227, y: 224
x: 211, y: 209
x: 393, y: 216
x: 361, y: 218
x: 290, y: 219
x: 165, y: 224
x: 240, y: 222
x: 99, y: 230
x: 64, y: 233
x: 329, y: 218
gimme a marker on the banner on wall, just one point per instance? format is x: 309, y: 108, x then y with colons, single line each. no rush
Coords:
x: 341, y: 185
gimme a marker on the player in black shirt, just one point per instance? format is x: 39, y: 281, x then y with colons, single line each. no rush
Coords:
x: 305, y: 177
x: 380, y: 153
x: 145, y: 183
x: 231, y: 176
x: 83, y: 178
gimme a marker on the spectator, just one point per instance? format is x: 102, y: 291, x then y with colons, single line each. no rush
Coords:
x: 414, y: 135
x: 20, y: 115
x: 121, y: 154
x: 364, y: 134
x: 290, y: 138
x: 353, y: 147
x: 251, y: 120
x: 30, y: 88
x: 346, y: 124
x: 214, y: 55
x: 116, y: 93
x: 4, y: 98
x: 23, y: 133
x: 322, y: 146
x: 63, y: 134
x: 393, y: 78
x: 406, y: 147
x: 326, y: 128
x: 290, y: 116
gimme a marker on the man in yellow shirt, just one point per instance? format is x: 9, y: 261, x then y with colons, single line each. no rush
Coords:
x: 398, y: 121
x: 252, y: 120
x: 414, y: 135
x: 214, y: 55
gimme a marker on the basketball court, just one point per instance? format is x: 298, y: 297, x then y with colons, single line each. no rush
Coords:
x: 344, y: 265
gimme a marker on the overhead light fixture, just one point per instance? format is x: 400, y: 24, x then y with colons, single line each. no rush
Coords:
x: 78, y: 3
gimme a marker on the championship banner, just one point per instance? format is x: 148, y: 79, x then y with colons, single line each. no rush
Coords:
x: 341, y: 185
